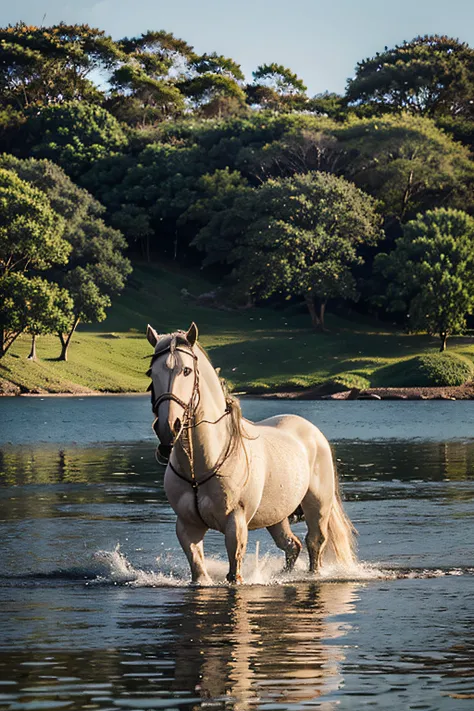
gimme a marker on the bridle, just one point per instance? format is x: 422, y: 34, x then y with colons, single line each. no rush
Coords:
x: 188, y: 408
x: 188, y: 423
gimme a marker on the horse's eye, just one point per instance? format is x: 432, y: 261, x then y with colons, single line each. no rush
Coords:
x: 187, y: 371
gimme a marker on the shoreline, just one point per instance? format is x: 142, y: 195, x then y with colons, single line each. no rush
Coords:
x: 453, y: 392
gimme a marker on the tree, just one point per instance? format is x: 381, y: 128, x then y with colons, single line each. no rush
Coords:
x: 329, y: 104
x: 431, y: 75
x: 214, y: 86
x: 139, y: 100
x: 279, y: 78
x: 407, y: 163
x: 97, y: 268
x: 154, y: 190
x: 31, y: 233
x: 296, y: 236
x: 144, y: 87
x: 40, y: 66
x: 430, y: 273
x: 300, y: 150
x: 276, y: 87
x: 74, y: 135
x: 31, y: 239
x: 31, y: 304
x: 215, y: 194
x: 97, y: 271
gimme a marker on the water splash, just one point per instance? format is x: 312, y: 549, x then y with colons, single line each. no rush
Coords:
x: 258, y: 569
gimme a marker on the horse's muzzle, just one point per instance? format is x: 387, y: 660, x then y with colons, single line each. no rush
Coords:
x: 167, y: 437
x: 165, y: 450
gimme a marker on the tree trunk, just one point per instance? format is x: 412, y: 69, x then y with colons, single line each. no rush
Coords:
x: 66, y: 341
x: 145, y: 248
x: 406, y: 195
x: 6, y: 340
x: 444, y: 338
x: 316, y: 312
x: 322, y: 311
x: 175, y: 246
x: 313, y: 312
x: 32, y: 355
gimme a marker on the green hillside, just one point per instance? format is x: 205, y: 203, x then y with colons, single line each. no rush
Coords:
x: 258, y: 350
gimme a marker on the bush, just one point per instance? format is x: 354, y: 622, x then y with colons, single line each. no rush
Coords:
x: 436, y: 369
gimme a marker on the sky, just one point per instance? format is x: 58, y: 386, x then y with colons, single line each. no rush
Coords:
x: 321, y: 41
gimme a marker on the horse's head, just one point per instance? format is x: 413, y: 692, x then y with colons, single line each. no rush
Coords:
x: 174, y: 382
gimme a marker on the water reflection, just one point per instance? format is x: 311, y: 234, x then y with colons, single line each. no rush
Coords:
x: 22, y: 464
x: 254, y: 644
x: 124, y: 462
x: 218, y: 648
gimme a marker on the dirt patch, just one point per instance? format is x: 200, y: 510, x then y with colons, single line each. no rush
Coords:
x: 8, y: 388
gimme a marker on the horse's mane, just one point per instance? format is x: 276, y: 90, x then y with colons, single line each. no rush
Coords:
x: 232, y: 403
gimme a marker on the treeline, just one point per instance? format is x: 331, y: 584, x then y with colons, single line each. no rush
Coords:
x: 365, y: 196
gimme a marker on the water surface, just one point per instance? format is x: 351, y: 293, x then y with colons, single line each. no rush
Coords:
x: 96, y: 610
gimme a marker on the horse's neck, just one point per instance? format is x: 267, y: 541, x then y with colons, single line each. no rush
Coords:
x: 209, y: 439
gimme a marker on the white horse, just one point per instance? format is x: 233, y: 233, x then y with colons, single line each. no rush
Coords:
x: 231, y: 475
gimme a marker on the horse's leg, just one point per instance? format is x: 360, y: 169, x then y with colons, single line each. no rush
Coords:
x: 286, y: 541
x: 236, y: 534
x: 316, y: 515
x: 191, y: 539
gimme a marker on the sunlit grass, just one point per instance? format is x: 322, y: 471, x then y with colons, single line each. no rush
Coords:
x: 258, y: 350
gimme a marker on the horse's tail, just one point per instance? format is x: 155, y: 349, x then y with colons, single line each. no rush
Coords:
x: 341, y: 532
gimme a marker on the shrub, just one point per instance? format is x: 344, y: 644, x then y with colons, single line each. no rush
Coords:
x: 434, y: 369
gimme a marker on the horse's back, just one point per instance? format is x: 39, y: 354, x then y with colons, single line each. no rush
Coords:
x: 302, y: 430
x: 284, y: 450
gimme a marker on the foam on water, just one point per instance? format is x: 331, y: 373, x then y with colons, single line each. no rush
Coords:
x: 257, y: 570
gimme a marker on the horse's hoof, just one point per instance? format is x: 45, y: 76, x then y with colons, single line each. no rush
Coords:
x: 290, y: 564
x: 234, y: 579
x: 202, y: 583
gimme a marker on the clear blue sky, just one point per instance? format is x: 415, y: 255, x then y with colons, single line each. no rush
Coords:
x: 320, y: 41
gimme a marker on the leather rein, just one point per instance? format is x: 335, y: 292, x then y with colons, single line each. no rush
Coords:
x: 189, y: 423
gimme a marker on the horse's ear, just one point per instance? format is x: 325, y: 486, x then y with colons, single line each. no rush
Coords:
x: 151, y: 335
x: 218, y: 370
x: 192, y: 334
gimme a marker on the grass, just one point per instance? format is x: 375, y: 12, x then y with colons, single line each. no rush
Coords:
x: 431, y: 369
x: 259, y: 350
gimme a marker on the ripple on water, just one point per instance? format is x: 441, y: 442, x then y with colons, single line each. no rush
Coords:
x: 257, y: 570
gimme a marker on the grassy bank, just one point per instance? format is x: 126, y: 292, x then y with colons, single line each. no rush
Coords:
x: 259, y: 350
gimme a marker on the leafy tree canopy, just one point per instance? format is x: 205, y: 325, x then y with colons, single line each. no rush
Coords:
x: 31, y: 233
x: 44, y: 65
x: 74, y: 135
x: 96, y: 268
x: 431, y: 75
x: 277, y: 88
x: 31, y: 304
x: 406, y: 162
x: 430, y: 273
x: 143, y: 88
x: 296, y: 236
x: 216, y: 64
x: 279, y: 78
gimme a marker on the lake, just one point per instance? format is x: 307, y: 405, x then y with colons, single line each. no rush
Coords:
x: 96, y: 609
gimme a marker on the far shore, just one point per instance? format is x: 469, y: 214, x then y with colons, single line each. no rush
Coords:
x: 460, y: 392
